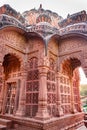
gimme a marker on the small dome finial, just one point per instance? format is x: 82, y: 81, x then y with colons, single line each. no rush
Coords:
x: 40, y: 6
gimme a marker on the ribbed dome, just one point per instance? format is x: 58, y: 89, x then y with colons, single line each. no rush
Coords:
x: 43, y: 18
x: 35, y: 16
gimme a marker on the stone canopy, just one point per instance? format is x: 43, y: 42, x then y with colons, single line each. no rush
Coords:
x: 40, y: 57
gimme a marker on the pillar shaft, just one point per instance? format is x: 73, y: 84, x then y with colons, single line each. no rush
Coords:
x: 73, y: 110
x: 22, y: 97
x: 59, y: 109
x: 42, y: 104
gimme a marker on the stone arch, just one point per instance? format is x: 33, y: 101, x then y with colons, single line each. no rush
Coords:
x: 12, y: 52
x: 68, y: 65
x: 73, y: 44
x: 77, y: 55
x: 12, y: 76
x: 11, y: 62
x: 13, y: 28
x: 70, y: 68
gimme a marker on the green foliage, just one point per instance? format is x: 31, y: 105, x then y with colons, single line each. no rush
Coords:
x: 83, y: 90
x: 83, y: 93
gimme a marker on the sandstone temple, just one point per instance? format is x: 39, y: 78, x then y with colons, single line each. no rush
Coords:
x: 40, y: 57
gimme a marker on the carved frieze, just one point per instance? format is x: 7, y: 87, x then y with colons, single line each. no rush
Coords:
x: 13, y: 39
x: 72, y: 44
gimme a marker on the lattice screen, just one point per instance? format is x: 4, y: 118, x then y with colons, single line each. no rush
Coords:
x: 51, y: 89
x: 10, y: 98
x: 65, y: 94
x: 76, y: 96
x: 32, y: 88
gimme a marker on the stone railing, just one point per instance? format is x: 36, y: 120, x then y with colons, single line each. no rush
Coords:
x: 42, y: 28
x: 80, y: 27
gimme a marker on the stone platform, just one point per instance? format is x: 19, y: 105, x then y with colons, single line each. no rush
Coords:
x: 68, y: 122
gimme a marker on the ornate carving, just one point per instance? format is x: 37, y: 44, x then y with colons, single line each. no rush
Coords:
x: 44, y: 61
x: 51, y: 89
x: 74, y: 18
x: 46, y: 92
x: 32, y: 88
x: 65, y: 94
x: 1, y: 77
x: 10, y: 98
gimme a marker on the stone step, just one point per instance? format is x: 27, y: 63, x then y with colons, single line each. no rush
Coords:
x: 3, y: 127
x: 6, y: 122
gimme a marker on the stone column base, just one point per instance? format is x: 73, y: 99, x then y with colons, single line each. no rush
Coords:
x: 42, y: 115
x: 59, y: 111
x: 20, y: 112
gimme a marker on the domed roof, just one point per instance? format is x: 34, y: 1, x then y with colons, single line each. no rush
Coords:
x: 41, y: 15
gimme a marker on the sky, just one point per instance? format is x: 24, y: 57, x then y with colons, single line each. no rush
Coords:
x: 83, y: 79
x: 62, y: 7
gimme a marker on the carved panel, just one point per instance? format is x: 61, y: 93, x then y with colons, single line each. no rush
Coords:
x: 51, y: 89
x: 76, y: 96
x: 72, y: 44
x: 53, y: 46
x: 65, y: 92
x: 32, y: 87
x: 34, y: 45
x: 10, y: 98
x: 9, y: 50
x: 13, y: 39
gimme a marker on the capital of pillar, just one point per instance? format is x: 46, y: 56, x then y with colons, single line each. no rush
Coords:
x: 58, y: 75
x: 43, y: 70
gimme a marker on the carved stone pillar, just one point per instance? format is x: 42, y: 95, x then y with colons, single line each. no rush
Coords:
x: 72, y: 97
x: 17, y: 96
x: 79, y: 100
x: 2, y: 92
x: 22, y: 97
x: 73, y: 109
x: 75, y: 80
x: 58, y: 102
x: 42, y: 103
x: 2, y: 99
